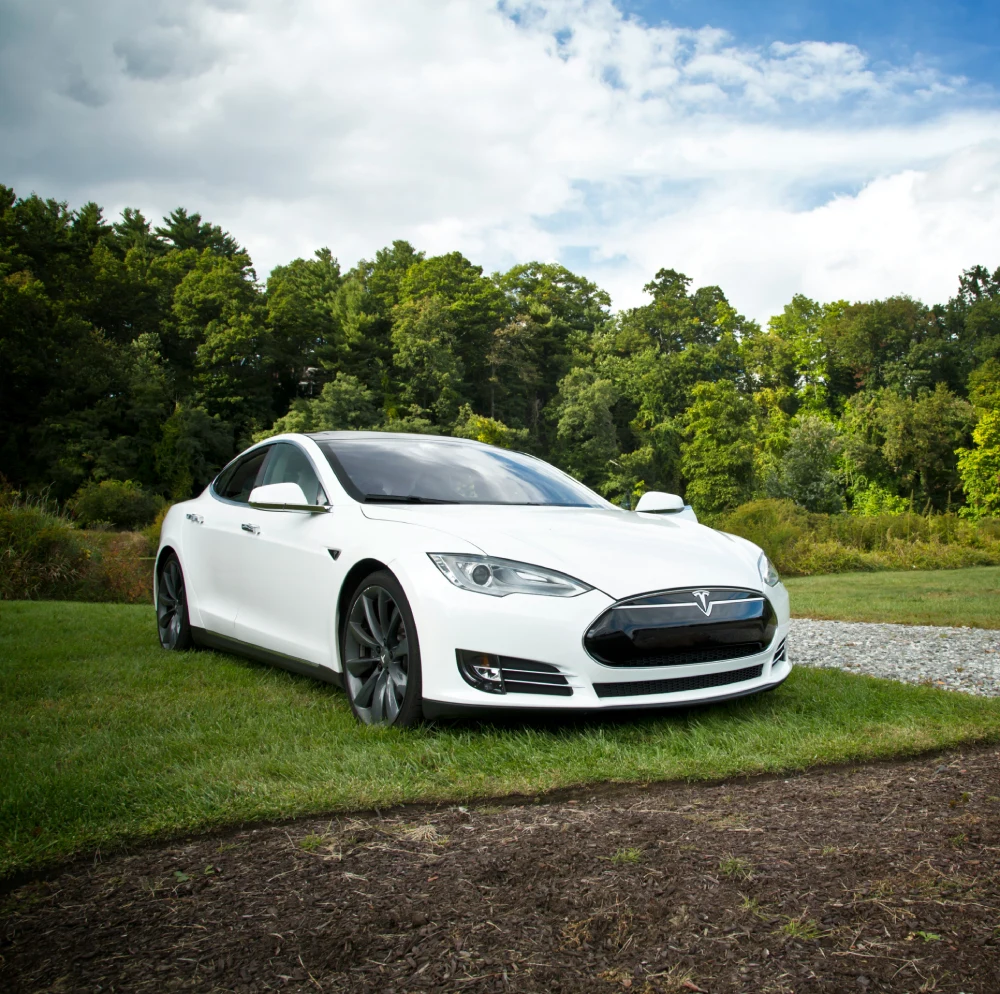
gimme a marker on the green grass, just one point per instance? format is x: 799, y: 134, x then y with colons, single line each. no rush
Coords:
x: 736, y: 866
x: 628, y: 855
x: 932, y: 597
x: 104, y: 738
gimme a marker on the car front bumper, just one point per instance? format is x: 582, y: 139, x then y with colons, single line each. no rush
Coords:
x: 550, y: 630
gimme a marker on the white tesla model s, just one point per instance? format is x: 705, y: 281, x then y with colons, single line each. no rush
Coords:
x: 433, y: 576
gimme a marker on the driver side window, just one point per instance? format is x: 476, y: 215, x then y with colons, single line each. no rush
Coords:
x: 236, y: 482
x: 289, y: 464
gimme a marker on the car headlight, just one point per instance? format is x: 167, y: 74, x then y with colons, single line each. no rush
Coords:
x: 499, y: 577
x: 767, y: 571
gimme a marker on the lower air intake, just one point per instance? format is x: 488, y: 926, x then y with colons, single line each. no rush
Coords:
x: 639, y: 688
x: 510, y: 675
x: 525, y: 676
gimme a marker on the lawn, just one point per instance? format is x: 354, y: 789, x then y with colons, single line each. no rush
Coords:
x: 931, y: 597
x: 104, y: 738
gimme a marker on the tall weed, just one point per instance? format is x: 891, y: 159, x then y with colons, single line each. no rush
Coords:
x: 802, y: 544
x: 119, y: 568
x: 44, y: 556
x: 40, y: 554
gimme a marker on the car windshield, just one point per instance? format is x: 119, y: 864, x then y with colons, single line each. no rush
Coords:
x: 421, y: 470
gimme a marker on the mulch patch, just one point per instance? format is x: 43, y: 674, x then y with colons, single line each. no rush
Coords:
x: 876, y: 878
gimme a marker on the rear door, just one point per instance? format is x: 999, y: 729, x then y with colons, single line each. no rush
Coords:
x: 293, y: 579
x: 220, y: 545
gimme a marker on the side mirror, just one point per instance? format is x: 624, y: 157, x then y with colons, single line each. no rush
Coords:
x: 657, y: 502
x: 283, y: 497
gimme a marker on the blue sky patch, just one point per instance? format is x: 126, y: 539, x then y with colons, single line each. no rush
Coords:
x: 957, y: 38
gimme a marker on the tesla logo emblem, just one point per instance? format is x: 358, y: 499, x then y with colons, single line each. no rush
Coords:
x: 702, y: 596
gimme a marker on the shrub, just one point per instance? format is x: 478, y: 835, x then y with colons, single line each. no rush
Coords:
x: 779, y: 527
x: 40, y: 554
x: 151, y: 533
x: 873, y: 500
x: 802, y: 544
x: 43, y: 556
x: 119, y: 568
x: 121, y: 504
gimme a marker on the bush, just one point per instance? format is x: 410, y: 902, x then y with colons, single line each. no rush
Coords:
x: 40, y: 554
x: 119, y: 569
x: 871, y: 500
x: 119, y: 504
x: 151, y: 533
x: 43, y: 556
x: 803, y: 544
x: 779, y: 527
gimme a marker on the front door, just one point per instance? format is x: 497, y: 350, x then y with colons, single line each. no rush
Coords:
x: 294, y: 578
x: 220, y: 544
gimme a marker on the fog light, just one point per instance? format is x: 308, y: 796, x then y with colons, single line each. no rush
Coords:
x: 481, y: 670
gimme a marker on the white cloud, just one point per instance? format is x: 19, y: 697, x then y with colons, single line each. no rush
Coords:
x: 531, y: 131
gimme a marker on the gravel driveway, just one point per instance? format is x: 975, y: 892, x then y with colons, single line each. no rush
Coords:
x: 965, y: 659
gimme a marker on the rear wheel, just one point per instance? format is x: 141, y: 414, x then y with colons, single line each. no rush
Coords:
x: 172, y: 619
x: 381, y: 654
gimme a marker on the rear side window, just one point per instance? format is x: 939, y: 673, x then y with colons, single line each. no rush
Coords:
x: 236, y: 482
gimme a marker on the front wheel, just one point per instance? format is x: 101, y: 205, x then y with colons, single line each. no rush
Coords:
x: 381, y: 654
x: 172, y: 620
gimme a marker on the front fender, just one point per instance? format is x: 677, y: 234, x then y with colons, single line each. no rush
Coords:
x: 402, y: 548
x: 173, y: 538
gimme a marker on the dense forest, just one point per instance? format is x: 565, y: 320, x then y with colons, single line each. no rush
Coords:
x: 153, y: 353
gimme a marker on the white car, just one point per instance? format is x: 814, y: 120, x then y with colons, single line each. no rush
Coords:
x: 432, y: 576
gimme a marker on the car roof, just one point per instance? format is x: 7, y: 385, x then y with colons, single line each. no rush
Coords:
x: 329, y: 436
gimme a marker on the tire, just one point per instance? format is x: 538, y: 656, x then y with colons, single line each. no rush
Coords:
x: 381, y: 654
x: 172, y: 621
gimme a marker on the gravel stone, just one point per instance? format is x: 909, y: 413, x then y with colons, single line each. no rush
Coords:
x: 966, y: 659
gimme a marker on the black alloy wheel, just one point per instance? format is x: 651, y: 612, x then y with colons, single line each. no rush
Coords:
x: 381, y: 654
x: 172, y: 620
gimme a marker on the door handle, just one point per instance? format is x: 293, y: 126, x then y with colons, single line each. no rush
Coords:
x: 196, y: 518
x: 253, y: 529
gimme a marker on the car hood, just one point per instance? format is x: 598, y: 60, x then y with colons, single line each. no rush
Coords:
x: 618, y: 552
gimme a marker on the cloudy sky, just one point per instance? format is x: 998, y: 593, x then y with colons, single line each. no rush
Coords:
x: 839, y: 149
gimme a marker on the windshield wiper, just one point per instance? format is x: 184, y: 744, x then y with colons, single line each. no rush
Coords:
x: 400, y: 499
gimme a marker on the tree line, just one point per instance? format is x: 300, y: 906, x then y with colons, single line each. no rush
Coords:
x: 153, y: 353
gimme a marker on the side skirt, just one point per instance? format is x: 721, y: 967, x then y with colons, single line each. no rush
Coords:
x: 212, y: 640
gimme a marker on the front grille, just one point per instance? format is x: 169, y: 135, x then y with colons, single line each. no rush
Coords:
x: 678, y: 627
x: 637, y: 688
x: 703, y: 656
x: 525, y: 676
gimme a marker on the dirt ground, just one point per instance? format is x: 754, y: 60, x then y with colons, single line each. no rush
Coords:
x: 878, y: 878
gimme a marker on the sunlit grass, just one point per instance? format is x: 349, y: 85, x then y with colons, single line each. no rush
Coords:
x: 105, y: 737
x: 921, y: 597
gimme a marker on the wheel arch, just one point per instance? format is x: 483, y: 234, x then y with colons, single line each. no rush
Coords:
x: 172, y: 547
x: 361, y: 569
x: 160, y: 556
